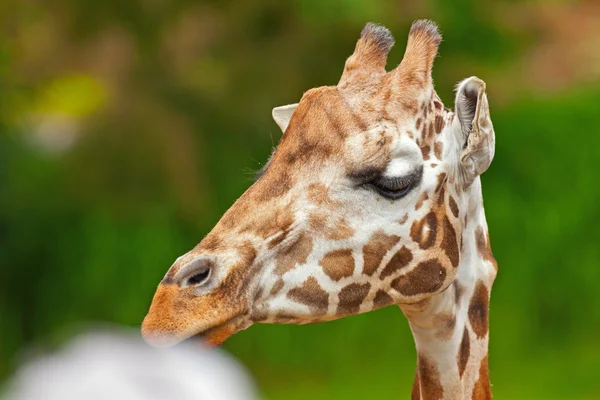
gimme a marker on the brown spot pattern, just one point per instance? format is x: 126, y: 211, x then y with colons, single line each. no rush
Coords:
x: 483, y: 247
x: 421, y: 200
x: 424, y: 237
x: 295, y: 254
x: 429, y: 380
x: 382, y: 299
x: 312, y: 295
x: 425, y: 150
x: 439, y: 123
x: 450, y: 243
x: 453, y: 206
x: 265, y: 224
x: 446, y: 324
x: 463, y: 352
x: 478, y: 310
x: 259, y: 315
x: 351, y: 297
x: 317, y: 194
x: 482, y: 390
x: 341, y: 231
x: 338, y: 264
x: 427, y: 277
x: 438, y: 149
x: 398, y: 261
x: 276, y: 287
x: 374, y: 251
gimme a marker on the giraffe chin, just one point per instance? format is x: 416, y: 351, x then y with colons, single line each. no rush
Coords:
x: 211, y: 337
x: 217, y: 335
x: 214, y: 337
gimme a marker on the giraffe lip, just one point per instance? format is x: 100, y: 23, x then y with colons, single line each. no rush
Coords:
x: 217, y: 334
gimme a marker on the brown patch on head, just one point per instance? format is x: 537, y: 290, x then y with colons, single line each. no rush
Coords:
x: 463, y: 352
x: 317, y: 221
x: 450, y: 243
x: 210, y: 243
x: 483, y: 247
x: 398, y: 261
x: 421, y: 200
x: 482, y: 390
x: 429, y: 379
x: 410, y: 107
x: 446, y: 324
x: 424, y: 231
x: 340, y: 231
x: 374, y: 251
x: 351, y: 297
x: 437, y: 105
x: 312, y: 295
x: 382, y: 299
x: 293, y: 255
x: 418, y: 123
x: 479, y: 309
x: 438, y: 149
x: 427, y: 277
x: 317, y: 193
x: 453, y: 206
x: 267, y: 224
x: 338, y: 264
x: 273, y: 184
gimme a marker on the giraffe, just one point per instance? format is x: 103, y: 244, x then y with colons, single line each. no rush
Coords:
x: 372, y: 198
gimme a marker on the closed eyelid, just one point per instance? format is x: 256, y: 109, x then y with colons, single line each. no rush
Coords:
x: 366, y: 174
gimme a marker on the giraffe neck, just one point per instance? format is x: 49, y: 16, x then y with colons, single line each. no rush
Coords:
x: 451, y: 328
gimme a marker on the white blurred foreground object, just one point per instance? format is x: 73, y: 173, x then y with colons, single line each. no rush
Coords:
x: 116, y: 365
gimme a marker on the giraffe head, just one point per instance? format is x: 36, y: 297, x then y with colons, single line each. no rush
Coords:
x: 361, y: 205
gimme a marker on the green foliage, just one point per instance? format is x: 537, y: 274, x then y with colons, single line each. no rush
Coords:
x: 163, y: 137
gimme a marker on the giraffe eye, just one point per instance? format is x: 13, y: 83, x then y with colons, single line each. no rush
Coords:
x: 392, y: 188
x: 397, y: 186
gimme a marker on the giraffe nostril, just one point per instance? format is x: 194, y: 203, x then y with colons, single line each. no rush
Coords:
x: 196, y: 273
x: 198, y: 277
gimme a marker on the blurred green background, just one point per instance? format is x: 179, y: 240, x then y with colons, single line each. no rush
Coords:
x: 128, y: 127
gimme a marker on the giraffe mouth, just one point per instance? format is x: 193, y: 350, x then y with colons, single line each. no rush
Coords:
x: 216, y: 335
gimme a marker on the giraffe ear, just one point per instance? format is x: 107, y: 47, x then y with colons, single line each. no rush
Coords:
x: 282, y: 115
x: 475, y: 133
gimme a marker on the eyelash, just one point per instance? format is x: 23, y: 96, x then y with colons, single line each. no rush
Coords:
x: 394, y: 188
